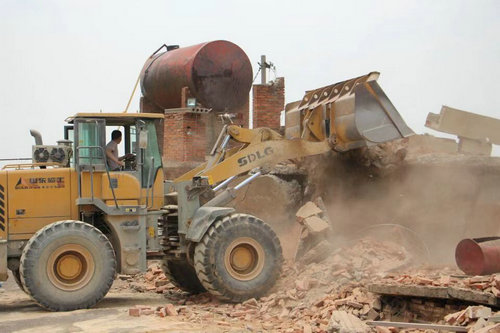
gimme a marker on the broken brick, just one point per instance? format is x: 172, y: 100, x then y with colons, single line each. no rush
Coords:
x: 251, y: 302
x: 496, y: 281
x: 479, y: 279
x: 147, y: 312
x: 316, y: 225
x: 149, y: 276
x: 134, y: 312
x: 162, y: 312
x: 355, y: 305
x: 309, y: 209
x: 159, y: 283
x: 345, y: 322
x: 480, y: 286
x: 474, y: 312
x: 143, y: 307
x: 303, y: 285
x: 170, y: 310
x: 423, y: 281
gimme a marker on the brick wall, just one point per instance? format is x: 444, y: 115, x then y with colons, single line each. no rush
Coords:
x: 268, y: 102
x: 184, y: 137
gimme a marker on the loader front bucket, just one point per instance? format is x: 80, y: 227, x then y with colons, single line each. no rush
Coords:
x: 366, y: 117
x: 350, y: 114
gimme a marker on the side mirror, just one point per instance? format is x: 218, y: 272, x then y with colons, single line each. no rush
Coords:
x: 143, y: 139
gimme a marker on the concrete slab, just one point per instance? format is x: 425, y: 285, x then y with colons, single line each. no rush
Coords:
x: 435, y: 292
x: 465, y: 124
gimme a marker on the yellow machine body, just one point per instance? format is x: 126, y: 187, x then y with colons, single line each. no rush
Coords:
x: 34, y: 195
x: 38, y: 197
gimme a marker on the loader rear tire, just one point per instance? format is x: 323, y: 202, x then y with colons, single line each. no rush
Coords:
x: 68, y: 265
x: 238, y: 258
x: 17, y: 277
x: 182, y: 275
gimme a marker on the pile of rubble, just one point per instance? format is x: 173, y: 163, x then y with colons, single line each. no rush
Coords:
x: 383, y: 158
x: 325, y: 290
x: 305, y: 297
x: 303, y: 301
x: 154, y: 280
x: 326, y: 296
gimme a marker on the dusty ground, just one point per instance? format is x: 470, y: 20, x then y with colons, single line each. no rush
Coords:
x: 302, y: 300
x: 18, y: 313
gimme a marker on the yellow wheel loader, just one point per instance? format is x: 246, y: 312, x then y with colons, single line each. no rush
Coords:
x: 68, y: 223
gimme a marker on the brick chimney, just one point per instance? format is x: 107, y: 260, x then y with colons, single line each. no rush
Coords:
x: 268, y: 102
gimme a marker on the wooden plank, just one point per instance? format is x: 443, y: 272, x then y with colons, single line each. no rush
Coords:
x: 418, y: 326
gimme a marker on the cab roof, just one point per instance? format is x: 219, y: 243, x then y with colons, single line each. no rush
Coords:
x: 116, y: 118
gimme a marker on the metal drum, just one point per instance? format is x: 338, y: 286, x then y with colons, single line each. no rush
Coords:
x: 479, y: 256
x: 218, y: 74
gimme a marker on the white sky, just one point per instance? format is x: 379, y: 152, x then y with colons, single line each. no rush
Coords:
x: 62, y: 57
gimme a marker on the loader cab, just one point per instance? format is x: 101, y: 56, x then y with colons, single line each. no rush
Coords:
x: 91, y: 133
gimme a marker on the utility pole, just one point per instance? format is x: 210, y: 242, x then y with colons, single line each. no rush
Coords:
x: 263, y: 67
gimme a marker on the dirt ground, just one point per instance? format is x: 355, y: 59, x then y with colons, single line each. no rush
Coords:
x: 304, y: 299
x: 18, y: 313
x: 301, y: 301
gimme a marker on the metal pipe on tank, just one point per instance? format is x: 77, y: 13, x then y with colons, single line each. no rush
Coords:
x: 479, y: 256
x: 218, y: 74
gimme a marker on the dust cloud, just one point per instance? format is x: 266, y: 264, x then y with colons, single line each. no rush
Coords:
x: 428, y: 203
x: 424, y: 202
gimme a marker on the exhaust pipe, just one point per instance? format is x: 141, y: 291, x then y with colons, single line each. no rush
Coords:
x: 37, y: 136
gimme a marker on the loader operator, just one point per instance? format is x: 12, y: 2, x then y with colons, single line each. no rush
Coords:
x: 114, y: 162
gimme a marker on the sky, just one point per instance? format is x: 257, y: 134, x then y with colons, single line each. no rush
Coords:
x: 58, y: 58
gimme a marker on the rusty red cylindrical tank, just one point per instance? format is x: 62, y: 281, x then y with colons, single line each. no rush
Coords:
x: 478, y: 256
x: 218, y: 74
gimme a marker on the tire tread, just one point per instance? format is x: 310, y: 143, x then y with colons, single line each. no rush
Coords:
x: 202, y: 258
x: 30, y: 254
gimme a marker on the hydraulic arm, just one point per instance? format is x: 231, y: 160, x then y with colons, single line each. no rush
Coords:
x: 343, y: 116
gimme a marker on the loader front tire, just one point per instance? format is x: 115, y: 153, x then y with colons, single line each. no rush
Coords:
x: 68, y: 265
x: 182, y: 275
x: 238, y: 258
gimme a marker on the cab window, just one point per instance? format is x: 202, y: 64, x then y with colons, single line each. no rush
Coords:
x: 152, y: 157
x: 89, y: 138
